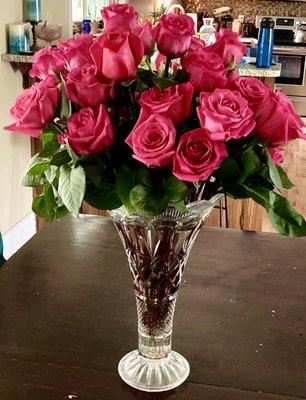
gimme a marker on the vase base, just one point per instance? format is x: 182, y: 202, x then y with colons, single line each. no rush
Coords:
x: 153, y: 375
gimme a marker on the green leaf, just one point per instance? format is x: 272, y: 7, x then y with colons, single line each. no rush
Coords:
x: 141, y: 86
x: 142, y: 175
x: 279, y: 176
x: 93, y: 172
x: 71, y: 187
x: 228, y: 170
x: 260, y: 194
x: 60, y: 158
x: 49, y: 134
x: 38, y: 165
x: 52, y: 174
x: 50, y: 149
x: 72, y: 154
x: 124, y: 184
x: 180, y: 76
x: 180, y: 206
x: 65, y: 103
x: 144, y: 199
x: 157, y: 203
x: 45, y: 204
x: 249, y: 162
x: 139, y: 196
x: 104, y: 198
x: 284, y: 218
x: 176, y: 190
x: 163, y: 83
x: 32, y: 180
x: 61, y: 212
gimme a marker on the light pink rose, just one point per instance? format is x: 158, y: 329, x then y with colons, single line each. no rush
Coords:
x: 173, y: 34
x: 276, y: 155
x: 174, y: 102
x: 225, y: 114
x: 144, y: 31
x: 153, y: 140
x: 252, y: 89
x: 228, y: 47
x: 117, y: 55
x: 119, y: 15
x: 197, y: 156
x: 207, y: 71
x: 90, y: 131
x: 86, y: 88
x: 76, y: 51
x: 47, y: 61
x: 276, y: 121
x: 35, y: 107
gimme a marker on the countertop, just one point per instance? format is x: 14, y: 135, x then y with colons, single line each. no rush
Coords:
x: 250, y: 69
x: 68, y: 315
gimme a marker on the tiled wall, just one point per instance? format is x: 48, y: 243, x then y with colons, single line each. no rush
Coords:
x: 250, y: 8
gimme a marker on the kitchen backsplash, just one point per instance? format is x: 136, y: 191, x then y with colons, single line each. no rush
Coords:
x: 250, y: 8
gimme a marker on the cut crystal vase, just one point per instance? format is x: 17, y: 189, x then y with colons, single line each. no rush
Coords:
x: 157, y: 250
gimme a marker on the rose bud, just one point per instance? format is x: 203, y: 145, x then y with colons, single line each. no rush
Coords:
x: 117, y: 55
x: 228, y: 47
x: 207, y: 71
x: 86, y: 88
x: 144, y: 31
x: 174, y: 102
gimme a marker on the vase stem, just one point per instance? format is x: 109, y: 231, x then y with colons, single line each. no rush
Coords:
x: 155, y: 322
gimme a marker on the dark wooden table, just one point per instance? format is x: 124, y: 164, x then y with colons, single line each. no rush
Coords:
x: 67, y: 316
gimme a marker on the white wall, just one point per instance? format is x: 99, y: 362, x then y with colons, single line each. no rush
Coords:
x: 15, y: 201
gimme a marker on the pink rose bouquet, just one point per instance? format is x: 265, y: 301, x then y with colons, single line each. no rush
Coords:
x: 115, y: 130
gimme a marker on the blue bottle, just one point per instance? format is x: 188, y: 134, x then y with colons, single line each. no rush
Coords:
x: 86, y: 27
x: 265, y: 43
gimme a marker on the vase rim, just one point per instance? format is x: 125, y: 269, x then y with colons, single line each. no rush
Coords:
x: 195, y: 207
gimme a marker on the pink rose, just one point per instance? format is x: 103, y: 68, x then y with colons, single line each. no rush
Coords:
x: 86, y: 88
x: 76, y: 51
x: 119, y: 15
x: 144, y: 31
x: 197, y: 156
x: 173, y: 34
x: 174, y: 102
x: 276, y: 155
x: 153, y: 140
x: 254, y: 91
x: 276, y: 121
x: 196, y: 44
x: 225, y: 114
x: 35, y: 107
x: 117, y: 55
x: 207, y: 71
x: 228, y: 47
x: 90, y: 131
x: 47, y: 61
